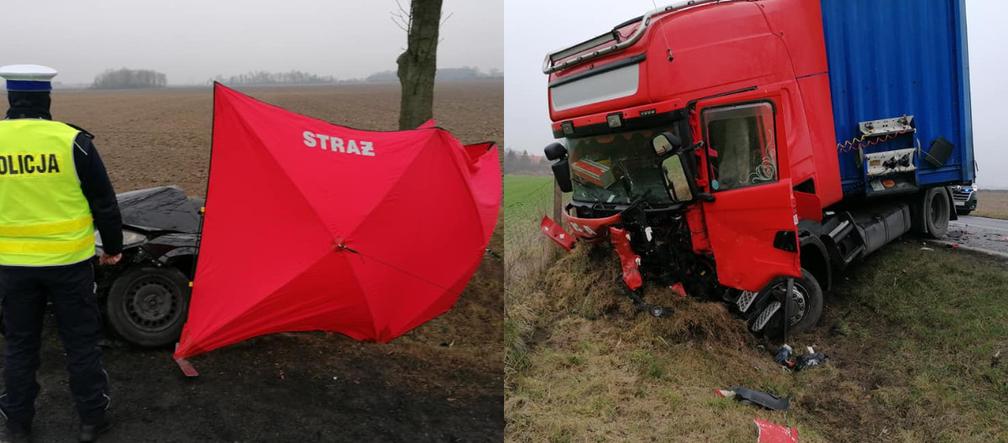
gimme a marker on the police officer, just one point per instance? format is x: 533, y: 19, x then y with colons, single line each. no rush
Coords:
x: 53, y: 192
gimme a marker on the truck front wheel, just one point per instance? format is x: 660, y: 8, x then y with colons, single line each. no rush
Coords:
x: 804, y: 310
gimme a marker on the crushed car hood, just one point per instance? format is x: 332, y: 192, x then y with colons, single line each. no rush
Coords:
x: 164, y: 208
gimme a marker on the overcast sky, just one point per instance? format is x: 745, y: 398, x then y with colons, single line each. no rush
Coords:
x: 531, y: 35
x: 192, y: 41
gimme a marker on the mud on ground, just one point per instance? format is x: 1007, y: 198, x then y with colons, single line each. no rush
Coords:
x: 441, y: 382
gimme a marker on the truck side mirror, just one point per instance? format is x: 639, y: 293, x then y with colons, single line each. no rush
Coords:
x: 561, y: 172
x: 557, y: 153
x: 665, y: 144
x: 678, y: 178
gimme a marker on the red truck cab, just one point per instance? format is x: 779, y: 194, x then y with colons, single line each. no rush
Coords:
x: 704, y: 133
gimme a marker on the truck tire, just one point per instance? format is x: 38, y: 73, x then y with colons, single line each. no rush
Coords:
x: 147, y: 306
x: 806, y: 307
x: 936, y: 212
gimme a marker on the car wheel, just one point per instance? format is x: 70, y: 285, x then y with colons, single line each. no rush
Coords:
x: 147, y: 306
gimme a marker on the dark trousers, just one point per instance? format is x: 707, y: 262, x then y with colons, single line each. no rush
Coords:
x: 71, y: 289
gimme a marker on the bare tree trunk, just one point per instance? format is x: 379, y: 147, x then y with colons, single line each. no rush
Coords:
x: 418, y: 64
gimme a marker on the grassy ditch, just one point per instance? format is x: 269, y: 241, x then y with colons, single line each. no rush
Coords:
x: 911, y: 335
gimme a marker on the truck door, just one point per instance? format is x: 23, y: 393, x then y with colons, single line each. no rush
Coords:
x: 752, y: 222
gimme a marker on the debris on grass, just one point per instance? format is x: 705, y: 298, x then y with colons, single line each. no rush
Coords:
x: 786, y: 358
x: 770, y: 432
x: 758, y: 398
x: 783, y: 356
x: 810, y: 359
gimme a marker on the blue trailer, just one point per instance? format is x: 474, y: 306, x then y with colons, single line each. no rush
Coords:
x: 895, y: 58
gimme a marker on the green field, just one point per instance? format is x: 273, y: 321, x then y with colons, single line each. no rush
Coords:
x: 526, y: 198
x: 915, y: 338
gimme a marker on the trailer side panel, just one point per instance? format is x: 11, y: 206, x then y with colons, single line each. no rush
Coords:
x: 901, y: 57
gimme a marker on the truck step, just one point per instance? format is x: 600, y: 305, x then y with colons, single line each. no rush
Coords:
x: 745, y: 300
x: 764, y: 316
x: 853, y: 255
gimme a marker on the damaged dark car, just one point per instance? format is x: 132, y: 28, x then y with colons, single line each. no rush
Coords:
x: 145, y: 298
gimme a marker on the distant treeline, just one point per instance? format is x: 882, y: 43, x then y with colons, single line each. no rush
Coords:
x: 443, y: 74
x: 124, y: 78
x: 304, y: 78
x: 523, y: 163
x: 276, y: 78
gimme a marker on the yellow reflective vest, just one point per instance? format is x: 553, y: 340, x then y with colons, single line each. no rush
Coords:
x: 44, y: 218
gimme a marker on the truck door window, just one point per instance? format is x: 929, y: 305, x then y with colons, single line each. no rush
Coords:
x: 743, y: 147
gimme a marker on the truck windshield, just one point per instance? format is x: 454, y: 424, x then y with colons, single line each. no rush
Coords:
x: 617, y: 168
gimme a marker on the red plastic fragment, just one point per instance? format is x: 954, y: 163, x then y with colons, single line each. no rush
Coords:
x: 678, y: 290
x: 187, y: 368
x: 555, y: 232
x: 630, y: 261
x: 769, y: 432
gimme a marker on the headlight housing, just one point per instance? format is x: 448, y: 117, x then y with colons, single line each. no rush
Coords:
x: 130, y: 238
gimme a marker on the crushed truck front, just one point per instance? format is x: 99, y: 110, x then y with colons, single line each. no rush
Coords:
x: 701, y: 133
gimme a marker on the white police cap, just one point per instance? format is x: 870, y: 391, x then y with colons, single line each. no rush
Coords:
x: 28, y: 78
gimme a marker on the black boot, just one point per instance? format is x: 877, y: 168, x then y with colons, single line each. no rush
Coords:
x: 90, y: 433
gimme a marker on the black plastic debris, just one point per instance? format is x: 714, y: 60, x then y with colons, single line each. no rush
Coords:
x: 809, y: 360
x: 759, y: 398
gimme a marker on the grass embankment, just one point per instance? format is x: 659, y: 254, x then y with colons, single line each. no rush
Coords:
x: 911, y: 335
x: 526, y: 200
x: 993, y: 204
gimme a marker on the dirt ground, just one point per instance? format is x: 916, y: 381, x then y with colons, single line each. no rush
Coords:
x: 992, y: 203
x: 441, y: 382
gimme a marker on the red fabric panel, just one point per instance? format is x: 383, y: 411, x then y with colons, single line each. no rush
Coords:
x: 313, y: 226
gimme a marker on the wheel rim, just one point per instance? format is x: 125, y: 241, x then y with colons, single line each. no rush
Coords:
x: 152, y: 304
x: 799, y: 300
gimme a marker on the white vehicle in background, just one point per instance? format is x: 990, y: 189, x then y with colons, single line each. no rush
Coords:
x: 965, y: 198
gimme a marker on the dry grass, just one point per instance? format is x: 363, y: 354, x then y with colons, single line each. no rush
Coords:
x: 600, y: 371
x: 910, y: 346
x: 526, y: 200
x: 993, y: 204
